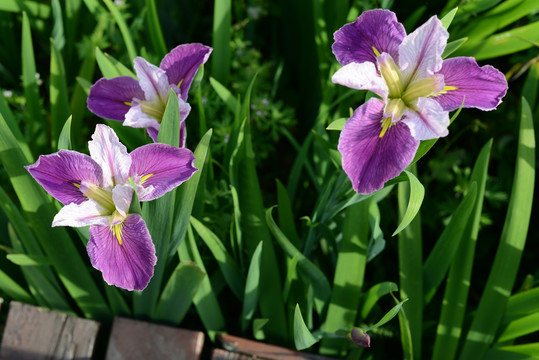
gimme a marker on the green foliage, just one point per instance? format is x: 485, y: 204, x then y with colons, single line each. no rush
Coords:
x: 270, y: 224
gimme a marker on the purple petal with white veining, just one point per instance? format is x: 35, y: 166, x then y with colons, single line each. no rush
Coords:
x: 152, y: 80
x: 380, y: 29
x: 368, y: 160
x: 483, y: 87
x: 420, y: 54
x: 61, y: 173
x: 86, y: 213
x: 162, y: 166
x: 429, y: 121
x: 129, y: 265
x: 362, y: 76
x: 111, y: 155
x: 182, y: 63
x: 111, y: 98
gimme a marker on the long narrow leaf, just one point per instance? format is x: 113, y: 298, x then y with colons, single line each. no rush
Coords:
x: 205, y: 299
x: 222, y: 31
x: 124, y: 29
x: 441, y: 256
x: 456, y: 291
x: 58, y: 94
x: 504, y: 269
x: 226, y: 263
x: 250, y: 298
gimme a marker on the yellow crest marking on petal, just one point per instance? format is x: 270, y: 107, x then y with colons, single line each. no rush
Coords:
x: 144, y: 178
x: 181, y: 81
x: 446, y: 89
x: 76, y: 185
x: 127, y: 103
x: 117, y: 229
x: 376, y: 52
x: 386, y: 124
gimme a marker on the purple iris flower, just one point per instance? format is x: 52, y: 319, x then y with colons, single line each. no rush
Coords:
x: 141, y: 103
x: 96, y: 192
x: 417, y: 90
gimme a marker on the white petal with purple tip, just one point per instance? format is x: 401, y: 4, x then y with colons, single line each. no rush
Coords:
x: 420, y: 54
x: 152, y: 80
x: 428, y: 121
x: 83, y: 214
x: 362, y: 76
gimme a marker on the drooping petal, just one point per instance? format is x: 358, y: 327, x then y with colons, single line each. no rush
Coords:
x: 362, y: 77
x: 428, y: 121
x: 374, y: 30
x: 368, y: 159
x: 127, y: 262
x: 61, y: 173
x: 112, y: 98
x: 107, y: 150
x: 483, y: 87
x: 420, y: 54
x: 182, y: 63
x: 153, y: 81
x: 136, y: 118
x: 86, y: 213
x: 121, y: 196
x: 162, y: 166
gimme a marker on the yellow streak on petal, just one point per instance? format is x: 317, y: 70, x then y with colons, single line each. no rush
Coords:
x: 446, y: 89
x: 127, y: 103
x: 376, y: 52
x: 180, y: 83
x: 144, y: 178
x: 386, y: 124
x: 117, y: 229
x: 76, y: 185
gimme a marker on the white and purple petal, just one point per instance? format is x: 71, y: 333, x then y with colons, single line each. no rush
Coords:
x: 128, y: 265
x: 111, y: 155
x: 483, y: 87
x: 182, y: 63
x: 374, y: 30
x: 162, y: 166
x: 86, y: 213
x: 153, y: 81
x: 427, y: 121
x: 112, y: 98
x: 136, y: 118
x: 121, y: 196
x: 362, y: 76
x: 420, y: 54
x: 61, y: 173
x: 368, y: 159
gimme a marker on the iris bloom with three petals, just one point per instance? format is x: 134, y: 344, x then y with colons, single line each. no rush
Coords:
x: 416, y: 87
x: 96, y: 192
x: 141, y: 103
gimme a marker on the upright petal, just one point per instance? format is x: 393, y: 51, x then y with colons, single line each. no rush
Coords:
x: 122, y: 196
x: 182, y: 63
x: 61, y: 173
x: 126, y: 262
x: 112, y: 98
x: 374, y: 32
x: 420, y: 54
x: 162, y: 166
x: 428, y: 121
x: 86, y: 213
x: 362, y: 77
x: 107, y: 150
x: 483, y: 87
x: 368, y: 159
x: 153, y: 81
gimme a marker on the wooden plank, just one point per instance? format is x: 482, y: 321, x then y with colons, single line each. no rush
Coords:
x: 134, y: 340
x: 36, y: 333
x: 220, y: 354
x: 260, y: 350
